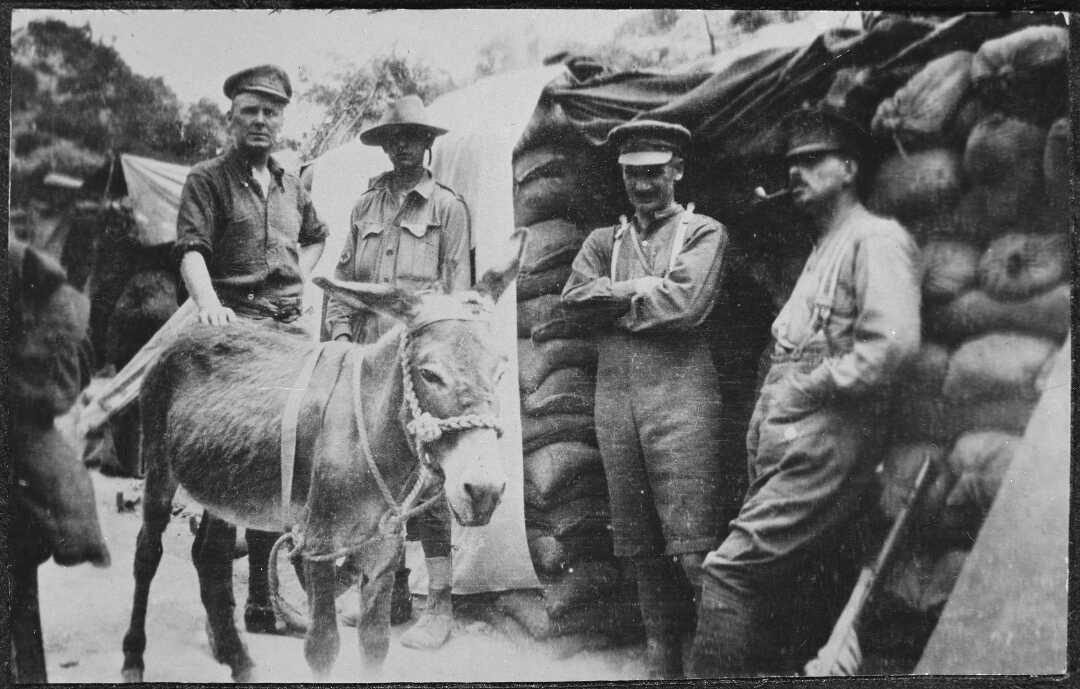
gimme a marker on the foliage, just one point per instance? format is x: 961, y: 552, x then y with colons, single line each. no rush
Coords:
x: 361, y: 94
x: 752, y: 20
x: 74, y: 100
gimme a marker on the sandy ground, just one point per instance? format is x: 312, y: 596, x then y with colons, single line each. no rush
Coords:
x: 85, y: 614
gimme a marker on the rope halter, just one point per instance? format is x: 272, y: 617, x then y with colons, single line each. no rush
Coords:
x: 423, y: 427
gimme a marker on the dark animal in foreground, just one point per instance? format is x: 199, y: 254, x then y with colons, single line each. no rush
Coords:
x: 212, y: 420
x: 53, y: 511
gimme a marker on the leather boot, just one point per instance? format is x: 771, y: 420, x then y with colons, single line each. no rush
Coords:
x: 432, y: 630
x: 659, y: 597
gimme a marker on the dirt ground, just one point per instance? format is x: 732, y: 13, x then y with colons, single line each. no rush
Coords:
x: 85, y: 614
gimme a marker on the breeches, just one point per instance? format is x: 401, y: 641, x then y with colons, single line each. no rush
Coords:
x: 811, y: 464
x: 432, y: 529
x: 658, y: 425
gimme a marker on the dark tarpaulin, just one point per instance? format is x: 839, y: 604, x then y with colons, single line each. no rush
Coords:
x: 733, y: 113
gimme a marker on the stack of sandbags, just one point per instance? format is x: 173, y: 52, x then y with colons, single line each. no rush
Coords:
x: 566, y: 504
x: 992, y: 223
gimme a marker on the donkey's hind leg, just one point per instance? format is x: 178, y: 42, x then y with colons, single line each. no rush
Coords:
x: 157, y: 509
x: 212, y: 553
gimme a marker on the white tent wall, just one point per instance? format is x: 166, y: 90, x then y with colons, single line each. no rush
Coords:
x: 485, y: 121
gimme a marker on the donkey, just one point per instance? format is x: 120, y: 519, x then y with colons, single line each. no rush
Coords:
x: 223, y: 411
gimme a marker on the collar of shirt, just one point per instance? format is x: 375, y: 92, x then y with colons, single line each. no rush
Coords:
x: 425, y: 187
x: 242, y: 167
x: 657, y: 219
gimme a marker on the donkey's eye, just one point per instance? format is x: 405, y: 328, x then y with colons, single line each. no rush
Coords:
x: 430, y: 376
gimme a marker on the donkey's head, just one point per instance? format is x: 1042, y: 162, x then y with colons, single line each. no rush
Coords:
x: 452, y: 369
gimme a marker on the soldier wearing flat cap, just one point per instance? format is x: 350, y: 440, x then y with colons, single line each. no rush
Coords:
x: 408, y: 230
x: 652, y: 281
x: 247, y: 237
x: 851, y: 322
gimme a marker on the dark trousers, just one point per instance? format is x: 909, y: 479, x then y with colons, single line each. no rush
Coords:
x: 811, y: 466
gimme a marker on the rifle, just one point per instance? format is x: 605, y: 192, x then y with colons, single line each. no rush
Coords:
x: 841, y: 654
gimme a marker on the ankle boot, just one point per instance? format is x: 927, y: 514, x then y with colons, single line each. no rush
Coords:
x: 659, y: 596
x: 432, y: 630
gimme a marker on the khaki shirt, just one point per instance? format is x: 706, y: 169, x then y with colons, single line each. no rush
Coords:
x: 681, y: 301
x: 874, y: 322
x: 407, y: 244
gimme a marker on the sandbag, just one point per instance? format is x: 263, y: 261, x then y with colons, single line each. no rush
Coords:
x: 589, y: 515
x: 53, y: 499
x: 565, y: 391
x: 975, y: 313
x: 551, y: 555
x: 589, y: 485
x: 923, y: 578
x: 925, y: 372
x: 550, y: 243
x: 548, y: 281
x: 921, y: 109
x: 1005, y: 154
x: 897, y: 474
x: 949, y: 268
x: 584, y: 582
x: 553, y: 468
x: 997, y: 366
x: 910, y: 185
x: 548, y: 183
x: 546, y: 318
x: 1017, y: 266
x: 1029, y: 49
x: 538, y: 431
x: 940, y: 224
x: 1057, y: 168
x: 536, y: 360
x: 979, y: 460
x: 1010, y: 415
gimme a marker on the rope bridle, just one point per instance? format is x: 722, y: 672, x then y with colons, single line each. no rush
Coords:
x: 422, y: 428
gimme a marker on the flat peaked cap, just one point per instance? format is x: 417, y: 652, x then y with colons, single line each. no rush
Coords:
x: 407, y: 111
x: 820, y: 129
x: 269, y: 80
x: 648, y: 142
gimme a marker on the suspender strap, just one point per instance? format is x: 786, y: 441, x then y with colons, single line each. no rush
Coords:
x: 616, y: 244
x: 680, y: 238
x: 289, y: 421
x: 676, y: 243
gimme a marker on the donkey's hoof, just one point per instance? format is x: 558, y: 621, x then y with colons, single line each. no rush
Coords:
x: 244, y: 674
x: 132, y: 675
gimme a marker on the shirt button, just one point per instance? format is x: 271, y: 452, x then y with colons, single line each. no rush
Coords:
x: 251, y: 296
x: 389, y: 252
x: 644, y: 242
x: 386, y: 279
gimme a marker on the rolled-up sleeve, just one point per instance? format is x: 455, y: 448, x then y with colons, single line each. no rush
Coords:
x: 312, y: 229
x: 196, y: 217
x: 589, y: 285
x: 684, y: 298
x: 454, y: 249
x: 339, y: 315
x: 887, y: 325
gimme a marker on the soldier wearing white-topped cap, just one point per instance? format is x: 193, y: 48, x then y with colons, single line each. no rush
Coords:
x: 652, y: 280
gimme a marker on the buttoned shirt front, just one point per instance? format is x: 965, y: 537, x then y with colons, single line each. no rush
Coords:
x: 250, y: 238
x: 873, y: 324
x: 407, y: 241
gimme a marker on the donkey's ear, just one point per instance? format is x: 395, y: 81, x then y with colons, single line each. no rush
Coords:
x: 495, y: 281
x: 368, y: 296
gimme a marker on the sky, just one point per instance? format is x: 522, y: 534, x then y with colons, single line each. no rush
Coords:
x: 195, y: 50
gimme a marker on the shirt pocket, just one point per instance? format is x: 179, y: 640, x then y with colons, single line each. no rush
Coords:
x: 418, y: 252
x: 239, y: 247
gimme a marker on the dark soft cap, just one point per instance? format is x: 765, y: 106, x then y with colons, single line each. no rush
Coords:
x: 648, y: 142
x: 269, y: 80
x: 822, y: 129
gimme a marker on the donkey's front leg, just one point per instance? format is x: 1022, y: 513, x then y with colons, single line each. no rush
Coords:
x: 321, y: 642
x: 380, y: 560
